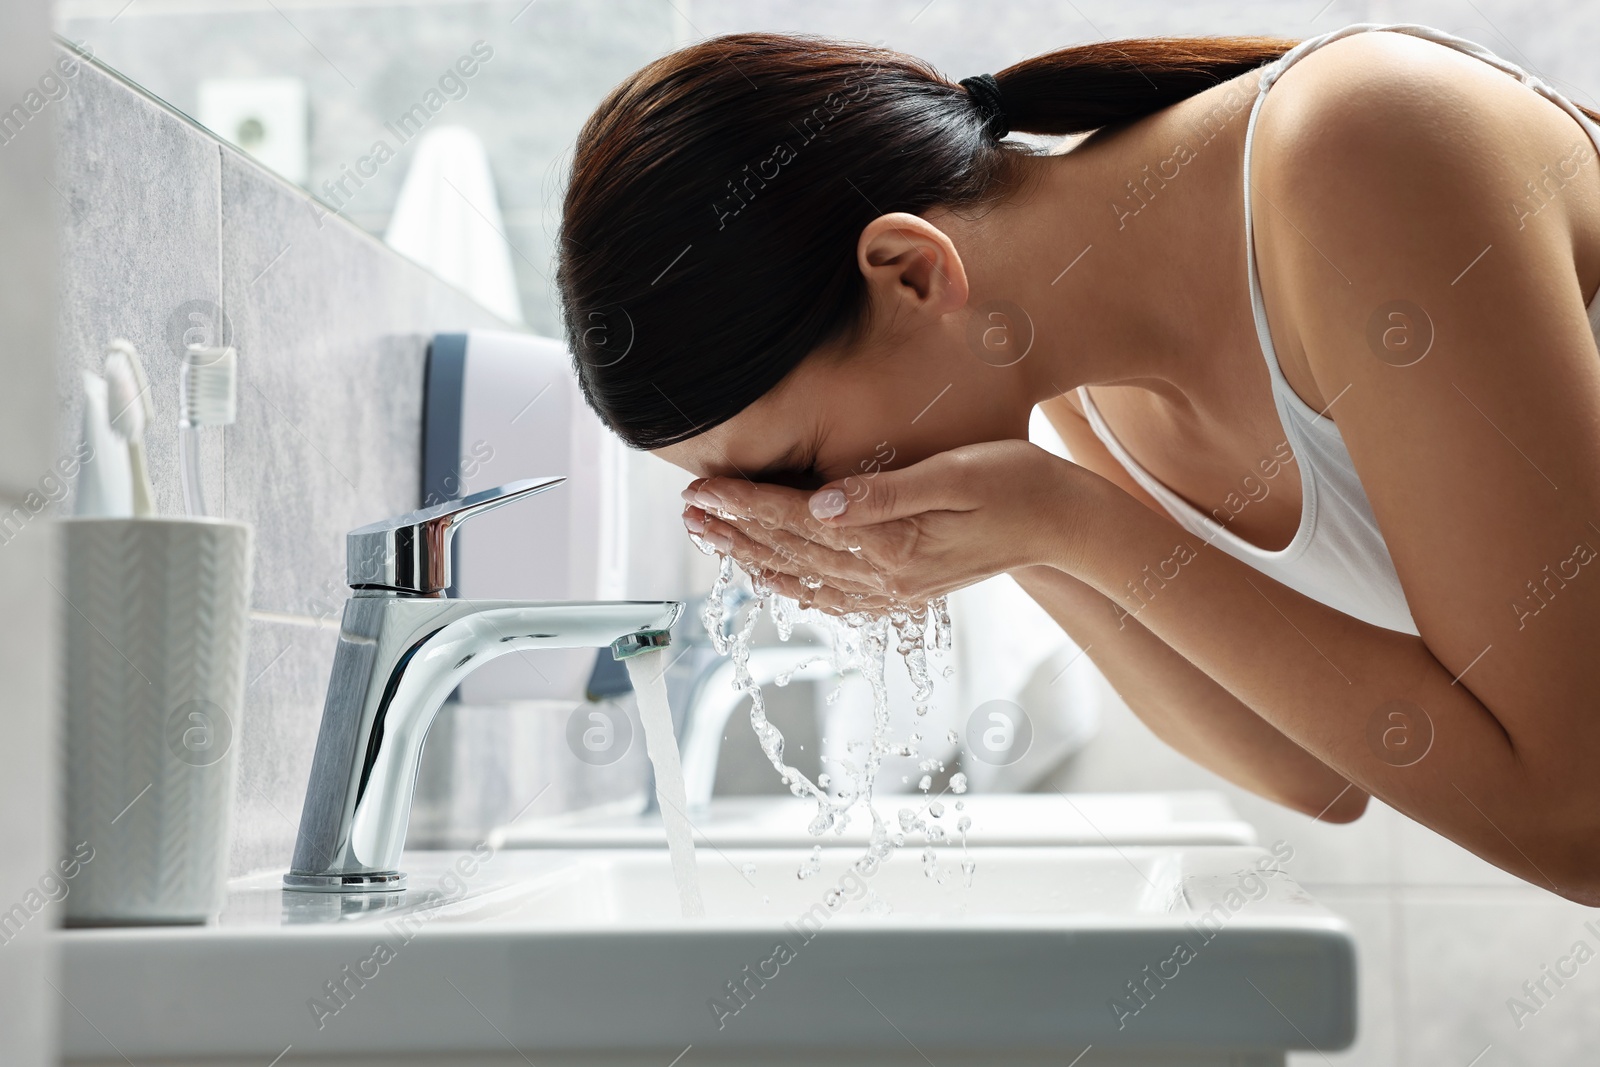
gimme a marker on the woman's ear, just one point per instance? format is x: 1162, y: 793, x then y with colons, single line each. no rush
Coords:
x: 911, y: 266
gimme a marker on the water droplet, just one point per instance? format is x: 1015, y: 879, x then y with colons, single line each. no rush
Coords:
x: 958, y: 783
x: 812, y: 865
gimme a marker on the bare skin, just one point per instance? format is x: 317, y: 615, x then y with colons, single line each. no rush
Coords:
x: 1383, y: 164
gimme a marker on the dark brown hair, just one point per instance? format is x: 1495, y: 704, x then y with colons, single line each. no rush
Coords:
x: 708, y: 236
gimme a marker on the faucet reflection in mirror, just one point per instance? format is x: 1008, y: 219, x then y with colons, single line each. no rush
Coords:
x: 403, y: 647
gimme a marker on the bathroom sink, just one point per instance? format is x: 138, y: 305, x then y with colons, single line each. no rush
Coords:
x: 998, y: 819
x: 563, y: 957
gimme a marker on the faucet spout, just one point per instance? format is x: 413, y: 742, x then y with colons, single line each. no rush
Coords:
x: 397, y: 660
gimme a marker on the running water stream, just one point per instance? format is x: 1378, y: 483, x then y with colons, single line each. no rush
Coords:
x: 647, y: 673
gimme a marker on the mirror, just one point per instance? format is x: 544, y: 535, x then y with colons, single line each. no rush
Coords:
x: 397, y: 116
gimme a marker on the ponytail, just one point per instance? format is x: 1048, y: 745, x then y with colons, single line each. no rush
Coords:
x: 1089, y: 86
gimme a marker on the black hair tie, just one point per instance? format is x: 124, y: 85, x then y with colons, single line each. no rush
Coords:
x: 985, y: 91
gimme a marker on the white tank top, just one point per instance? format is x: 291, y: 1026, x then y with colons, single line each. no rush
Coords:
x: 1338, y: 556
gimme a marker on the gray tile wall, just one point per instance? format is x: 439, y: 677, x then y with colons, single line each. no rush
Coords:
x: 365, y: 64
x: 161, y: 222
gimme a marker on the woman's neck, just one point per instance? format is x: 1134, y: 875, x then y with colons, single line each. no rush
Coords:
x: 1127, y: 254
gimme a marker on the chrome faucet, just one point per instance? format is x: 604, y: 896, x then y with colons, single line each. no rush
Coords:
x: 403, y: 648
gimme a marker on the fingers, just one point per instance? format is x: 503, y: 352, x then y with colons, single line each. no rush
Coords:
x: 878, y: 559
x: 939, y: 483
x: 779, y: 551
x: 833, y: 601
x: 805, y: 572
x: 812, y: 576
x: 770, y: 506
x: 767, y: 503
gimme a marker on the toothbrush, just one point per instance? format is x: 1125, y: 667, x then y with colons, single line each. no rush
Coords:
x: 105, y: 481
x: 207, y: 397
x: 128, y: 400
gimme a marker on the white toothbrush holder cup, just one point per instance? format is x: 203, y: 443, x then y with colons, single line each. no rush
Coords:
x: 156, y: 635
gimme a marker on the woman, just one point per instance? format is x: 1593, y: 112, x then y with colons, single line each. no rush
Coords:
x: 1336, y: 425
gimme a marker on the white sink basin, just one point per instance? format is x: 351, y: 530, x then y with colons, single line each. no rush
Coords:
x: 998, y: 819
x: 556, y: 957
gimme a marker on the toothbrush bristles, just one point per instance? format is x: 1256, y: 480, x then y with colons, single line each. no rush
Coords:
x: 209, y: 396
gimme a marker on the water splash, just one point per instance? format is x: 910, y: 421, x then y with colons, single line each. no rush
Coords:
x: 859, y: 641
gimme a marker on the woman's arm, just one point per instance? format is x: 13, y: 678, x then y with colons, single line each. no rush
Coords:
x: 1177, y: 701
x: 1185, y: 708
x: 1477, y: 441
x: 1512, y: 780
x: 1330, y: 682
x: 1481, y: 458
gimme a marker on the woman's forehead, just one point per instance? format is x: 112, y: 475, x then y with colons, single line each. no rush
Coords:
x: 760, y: 444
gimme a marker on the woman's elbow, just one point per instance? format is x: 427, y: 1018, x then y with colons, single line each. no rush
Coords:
x: 1345, y: 806
x: 1571, y: 867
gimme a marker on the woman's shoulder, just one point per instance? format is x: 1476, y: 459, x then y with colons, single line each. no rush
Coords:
x: 1360, y: 100
x: 1383, y: 135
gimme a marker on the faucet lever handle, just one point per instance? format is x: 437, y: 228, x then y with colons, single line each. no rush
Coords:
x: 411, y: 553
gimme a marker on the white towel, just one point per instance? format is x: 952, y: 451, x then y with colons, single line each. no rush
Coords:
x: 448, y: 219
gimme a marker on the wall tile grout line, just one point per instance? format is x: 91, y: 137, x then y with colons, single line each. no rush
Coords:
x: 222, y: 304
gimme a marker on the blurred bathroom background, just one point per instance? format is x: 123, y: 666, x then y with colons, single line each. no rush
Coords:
x: 443, y: 128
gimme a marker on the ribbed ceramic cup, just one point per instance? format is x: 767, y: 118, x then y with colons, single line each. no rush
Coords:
x: 156, y: 627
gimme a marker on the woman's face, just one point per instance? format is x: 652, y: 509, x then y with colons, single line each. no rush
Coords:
x: 926, y: 378
x: 835, y: 418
